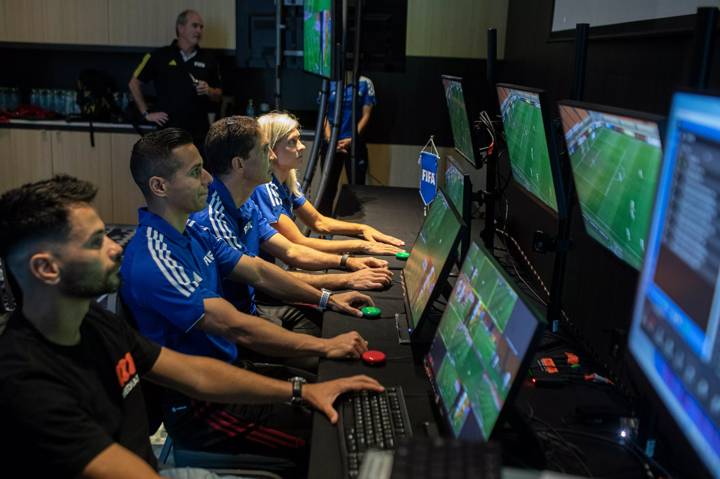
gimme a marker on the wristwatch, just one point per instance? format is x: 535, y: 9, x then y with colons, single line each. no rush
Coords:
x: 297, y: 384
x: 145, y: 114
x: 344, y: 260
x: 326, y: 293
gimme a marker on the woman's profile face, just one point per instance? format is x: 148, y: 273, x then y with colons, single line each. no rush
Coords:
x: 289, y: 151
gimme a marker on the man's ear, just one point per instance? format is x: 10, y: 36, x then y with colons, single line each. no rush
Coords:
x: 44, y: 268
x: 157, y: 186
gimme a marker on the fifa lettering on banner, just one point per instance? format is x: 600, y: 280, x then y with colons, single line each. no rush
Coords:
x: 428, y: 175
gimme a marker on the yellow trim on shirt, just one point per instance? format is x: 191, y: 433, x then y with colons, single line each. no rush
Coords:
x: 140, y: 67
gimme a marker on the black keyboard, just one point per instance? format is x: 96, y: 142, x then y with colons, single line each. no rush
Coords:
x: 370, y: 420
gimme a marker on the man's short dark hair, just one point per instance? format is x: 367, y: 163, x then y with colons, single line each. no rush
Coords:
x: 39, y: 210
x: 152, y: 155
x: 228, y: 138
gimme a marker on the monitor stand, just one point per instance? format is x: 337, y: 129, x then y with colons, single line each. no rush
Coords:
x: 403, y: 328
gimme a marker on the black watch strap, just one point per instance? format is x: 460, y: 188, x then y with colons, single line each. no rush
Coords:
x: 297, y: 384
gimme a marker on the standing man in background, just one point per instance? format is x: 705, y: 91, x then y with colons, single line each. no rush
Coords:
x: 186, y: 80
x: 364, y: 106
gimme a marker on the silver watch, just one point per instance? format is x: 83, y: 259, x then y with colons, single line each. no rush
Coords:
x: 297, y: 384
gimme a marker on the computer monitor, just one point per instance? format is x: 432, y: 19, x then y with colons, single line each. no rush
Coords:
x: 482, y: 347
x: 318, y: 37
x: 524, y: 120
x: 429, y: 263
x: 459, y: 123
x: 458, y: 190
x: 675, y: 334
x: 615, y: 157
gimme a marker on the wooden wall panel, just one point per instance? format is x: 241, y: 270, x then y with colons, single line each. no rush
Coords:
x: 454, y: 28
x: 126, y: 195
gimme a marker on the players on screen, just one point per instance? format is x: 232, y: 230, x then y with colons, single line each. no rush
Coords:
x: 615, y: 162
x: 483, y: 337
x: 527, y: 144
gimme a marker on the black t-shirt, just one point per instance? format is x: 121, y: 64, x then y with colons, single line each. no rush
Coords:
x: 60, y: 406
x: 175, y: 89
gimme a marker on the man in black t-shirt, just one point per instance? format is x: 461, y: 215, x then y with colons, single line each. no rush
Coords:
x: 186, y: 80
x: 71, y: 403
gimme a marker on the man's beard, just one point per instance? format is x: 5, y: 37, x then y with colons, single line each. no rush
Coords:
x: 79, y: 281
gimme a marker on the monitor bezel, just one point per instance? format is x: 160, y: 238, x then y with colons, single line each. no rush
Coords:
x: 659, y: 120
x: 467, y: 206
x: 521, y: 375
x: 421, y: 331
x: 476, y: 162
x: 658, y: 403
x: 333, y: 36
x: 553, y: 153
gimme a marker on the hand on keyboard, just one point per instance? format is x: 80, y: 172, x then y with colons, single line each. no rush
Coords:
x: 322, y: 395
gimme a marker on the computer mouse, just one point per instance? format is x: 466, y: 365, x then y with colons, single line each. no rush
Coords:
x: 373, y: 358
x: 371, y: 312
x: 402, y: 255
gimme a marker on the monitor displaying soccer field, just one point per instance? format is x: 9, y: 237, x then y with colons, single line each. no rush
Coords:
x: 459, y: 122
x: 527, y: 143
x: 458, y: 190
x: 675, y: 331
x: 615, y: 157
x: 429, y: 263
x: 481, y: 347
x: 317, y: 37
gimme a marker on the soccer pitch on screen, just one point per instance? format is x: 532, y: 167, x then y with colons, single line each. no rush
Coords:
x: 317, y: 37
x: 615, y: 162
x: 458, y: 117
x: 527, y: 145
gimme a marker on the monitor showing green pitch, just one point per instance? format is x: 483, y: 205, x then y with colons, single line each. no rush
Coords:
x: 317, y: 37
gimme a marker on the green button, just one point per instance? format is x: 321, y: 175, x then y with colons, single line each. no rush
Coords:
x: 370, y: 311
x: 403, y: 255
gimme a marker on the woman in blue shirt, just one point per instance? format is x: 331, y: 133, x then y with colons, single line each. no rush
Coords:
x: 281, y: 199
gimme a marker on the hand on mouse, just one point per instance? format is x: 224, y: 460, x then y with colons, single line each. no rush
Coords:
x: 322, y: 395
x: 349, y: 302
x: 345, y: 346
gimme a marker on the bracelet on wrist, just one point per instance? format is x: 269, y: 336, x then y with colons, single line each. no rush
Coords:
x: 326, y: 293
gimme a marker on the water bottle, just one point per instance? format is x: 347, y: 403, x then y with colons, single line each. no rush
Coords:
x: 14, y: 101
x: 34, y: 97
x: 3, y: 98
x: 250, y: 110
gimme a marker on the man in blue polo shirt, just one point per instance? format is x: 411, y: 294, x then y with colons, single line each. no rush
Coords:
x: 172, y: 273
x: 238, y: 162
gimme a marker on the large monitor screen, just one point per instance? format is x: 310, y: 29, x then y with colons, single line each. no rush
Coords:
x: 458, y: 117
x: 675, y: 334
x: 428, y: 260
x: 480, y: 347
x: 615, y: 158
x: 456, y: 183
x: 317, y: 37
x: 527, y: 143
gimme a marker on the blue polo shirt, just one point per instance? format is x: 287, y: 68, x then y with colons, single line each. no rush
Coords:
x: 166, y: 276
x: 244, y: 229
x: 275, y: 199
x: 366, y: 96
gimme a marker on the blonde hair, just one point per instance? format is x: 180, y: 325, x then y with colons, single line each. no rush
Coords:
x: 277, y: 125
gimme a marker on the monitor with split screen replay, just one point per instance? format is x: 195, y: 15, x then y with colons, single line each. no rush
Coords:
x: 459, y: 123
x: 675, y: 332
x: 430, y: 258
x: 526, y: 139
x: 318, y: 37
x: 481, y: 349
x: 615, y: 157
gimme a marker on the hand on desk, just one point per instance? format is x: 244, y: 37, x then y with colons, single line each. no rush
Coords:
x: 345, y: 346
x: 355, y: 264
x: 373, y: 247
x: 373, y: 235
x: 349, y: 302
x: 322, y: 395
x: 374, y: 278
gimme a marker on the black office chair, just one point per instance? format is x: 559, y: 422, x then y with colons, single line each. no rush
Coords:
x: 247, y: 465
